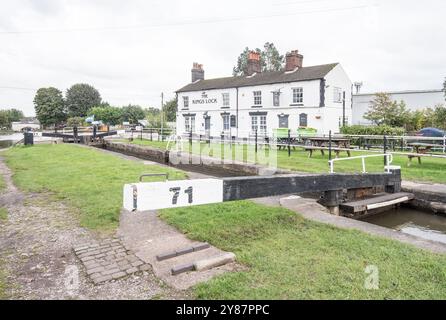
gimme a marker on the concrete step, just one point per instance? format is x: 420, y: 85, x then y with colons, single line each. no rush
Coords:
x: 204, y: 264
x: 378, y: 201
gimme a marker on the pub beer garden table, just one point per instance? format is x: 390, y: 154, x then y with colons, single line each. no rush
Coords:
x: 321, y: 143
x: 420, y: 149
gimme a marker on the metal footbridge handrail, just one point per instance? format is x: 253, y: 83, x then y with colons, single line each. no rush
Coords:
x: 388, y: 157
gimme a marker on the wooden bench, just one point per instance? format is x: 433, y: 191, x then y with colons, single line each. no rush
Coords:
x: 310, y: 149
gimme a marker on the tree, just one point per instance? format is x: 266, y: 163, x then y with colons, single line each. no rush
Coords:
x: 273, y: 60
x: 8, y: 116
x: 439, y: 116
x: 4, y: 120
x: 444, y: 88
x: 50, y: 106
x: 133, y: 113
x: 385, y: 111
x: 107, y: 114
x: 15, y: 115
x: 170, y: 110
x: 80, y: 98
x: 270, y: 60
x: 155, y: 120
x: 242, y: 62
x: 75, y: 122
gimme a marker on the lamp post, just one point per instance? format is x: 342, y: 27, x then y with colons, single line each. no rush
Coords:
x: 162, y: 115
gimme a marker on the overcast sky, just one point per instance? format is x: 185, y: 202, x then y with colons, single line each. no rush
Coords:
x: 133, y: 50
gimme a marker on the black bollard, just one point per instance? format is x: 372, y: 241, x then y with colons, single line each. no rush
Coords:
x: 28, y: 138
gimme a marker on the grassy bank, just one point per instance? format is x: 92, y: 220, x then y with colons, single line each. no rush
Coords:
x: 2, y: 183
x: 3, y: 214
x: 431, y: 169
x: 292, y: 258
x: 88, y: 179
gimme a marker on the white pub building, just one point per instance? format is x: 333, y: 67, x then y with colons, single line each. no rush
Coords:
x: 297, y: 97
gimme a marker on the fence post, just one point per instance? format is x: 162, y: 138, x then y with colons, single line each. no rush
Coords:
x: 329, y: 145
x: 151, y: 134
x: 190, y: 141
x: 444, y: 143
x: 75, y: 134
x: 289, y: 142
x: 385, y: 149
x: 255, y: 139
x: 141, y: 133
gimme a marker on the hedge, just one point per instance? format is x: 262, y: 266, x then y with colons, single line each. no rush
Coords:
x: 373, y: 130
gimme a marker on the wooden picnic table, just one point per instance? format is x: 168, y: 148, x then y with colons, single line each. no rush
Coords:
x: 283, y: 142
x: 420, y: 149
x: 322, y: 143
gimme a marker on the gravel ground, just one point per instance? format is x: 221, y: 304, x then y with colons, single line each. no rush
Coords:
x: 36, y: 254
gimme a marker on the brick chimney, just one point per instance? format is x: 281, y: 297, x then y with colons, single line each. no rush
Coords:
x: 197, y: 72
x: 293, y: 60
x: 253, y: 63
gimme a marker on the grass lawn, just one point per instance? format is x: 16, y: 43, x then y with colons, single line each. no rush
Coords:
x: 292, y: 258
x: 87, y: 179
x: 431, y: 169
x: 157, y: 144
x: 3, y: 214
x: 2, y: 183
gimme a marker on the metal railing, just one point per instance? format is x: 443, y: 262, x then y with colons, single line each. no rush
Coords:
x: 387, y: 156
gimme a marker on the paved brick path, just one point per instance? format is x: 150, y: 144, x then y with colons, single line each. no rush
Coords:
x: 108, y: 260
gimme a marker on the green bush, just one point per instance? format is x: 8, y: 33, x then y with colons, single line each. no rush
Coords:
x: 373, y: 130
x: 75, y: 122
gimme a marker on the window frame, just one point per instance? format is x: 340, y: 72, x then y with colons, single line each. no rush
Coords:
x: 257, y: 95
x: 263, y: 128
x: 255, y: 126
x: 225, y: 100
x: 337, y: 91
x: 189, y: 123
x: 298, y: 95
x: 185, y: 102
x: 226, y: 122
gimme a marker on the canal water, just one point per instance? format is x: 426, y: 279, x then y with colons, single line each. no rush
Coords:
x: 412, y: 221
